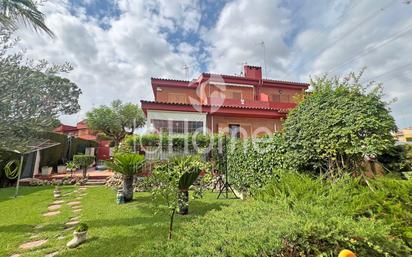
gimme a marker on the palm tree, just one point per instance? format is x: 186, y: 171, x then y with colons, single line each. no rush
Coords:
x: 25, y: 10
x: 127, y: 164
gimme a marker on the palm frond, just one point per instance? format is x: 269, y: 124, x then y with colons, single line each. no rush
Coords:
x: 24, y: 10
x: 127, y: 163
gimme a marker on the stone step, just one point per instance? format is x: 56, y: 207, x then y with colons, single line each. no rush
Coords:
x: 96, y: 182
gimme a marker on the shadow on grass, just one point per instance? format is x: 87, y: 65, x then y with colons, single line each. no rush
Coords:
x: 8, y: 193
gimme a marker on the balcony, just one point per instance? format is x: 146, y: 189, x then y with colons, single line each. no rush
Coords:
x: 249, y: 103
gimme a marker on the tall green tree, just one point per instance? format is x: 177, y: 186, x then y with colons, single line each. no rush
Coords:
x: 32, y: 95
x: 12, y: 11
x: 338, y: 124
x: 116, y: 120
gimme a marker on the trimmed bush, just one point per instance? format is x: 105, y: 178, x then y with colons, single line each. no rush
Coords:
x: 83, y: 162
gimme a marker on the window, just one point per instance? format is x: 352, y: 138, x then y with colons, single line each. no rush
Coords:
x: 234, y: 95
x: 177, y: 126
x: 234, y: 130
x: 284, y: 98
x: 176, y: 98
x: 275, y: 98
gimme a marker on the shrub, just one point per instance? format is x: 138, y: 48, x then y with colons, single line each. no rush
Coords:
x: 171, y: 182
x: 296, y: 215
x: 398, y: 158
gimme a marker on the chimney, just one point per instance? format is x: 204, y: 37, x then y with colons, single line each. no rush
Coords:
x: 252, y: 72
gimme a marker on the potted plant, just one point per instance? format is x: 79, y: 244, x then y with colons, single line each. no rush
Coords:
x: 79, y: 235
x: 71, y: 167
x: 46, y: 170
x: 61, y: 168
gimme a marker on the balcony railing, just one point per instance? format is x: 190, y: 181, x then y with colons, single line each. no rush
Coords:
x: 249, y: 103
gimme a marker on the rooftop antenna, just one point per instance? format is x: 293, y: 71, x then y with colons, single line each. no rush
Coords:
x: 262, y: 44
x: 186, y: 69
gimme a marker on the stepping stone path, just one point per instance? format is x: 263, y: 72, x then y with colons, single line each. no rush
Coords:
x: 74, y: 218
x: 34, y: 236
x: 54, y: 207
x: 33, y: 244
x: 58, y: 202
x: 15, y: 255
x: 75, y: 207
x: 73, y: 203
x: 77, y: 210
x: 51, y: 213
x: 72, y: 223
x: 51, y: 254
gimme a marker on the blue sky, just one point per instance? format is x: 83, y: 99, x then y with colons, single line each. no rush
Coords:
x: 117, y: 45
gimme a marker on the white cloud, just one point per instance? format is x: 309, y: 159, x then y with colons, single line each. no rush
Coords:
x: 308, y: 38
x: 241, y: 27
x: 109, y: 64
x: 362, y: 37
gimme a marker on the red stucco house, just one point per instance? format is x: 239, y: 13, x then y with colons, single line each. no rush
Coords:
x: 241, y: 106
x: 82, y: 131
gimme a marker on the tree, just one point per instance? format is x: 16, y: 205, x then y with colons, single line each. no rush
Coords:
x: 11, y: 11
x: 32, y: 95
x: 127, y: 164
x: 116, y: 121
x: 338, y: 124
x: 171, y: 182
x: 83, y: 162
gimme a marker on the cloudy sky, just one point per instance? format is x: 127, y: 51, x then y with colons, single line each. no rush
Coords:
x: 117, y: 45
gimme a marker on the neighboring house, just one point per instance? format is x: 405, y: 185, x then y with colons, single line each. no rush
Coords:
x: 241, y: 106
x: 82, y: 131
x: 404, y: 135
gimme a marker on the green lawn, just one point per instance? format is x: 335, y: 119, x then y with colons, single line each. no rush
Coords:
x: 115, y: 230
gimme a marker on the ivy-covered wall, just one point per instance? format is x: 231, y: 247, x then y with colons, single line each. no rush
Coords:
x: 252, y: 161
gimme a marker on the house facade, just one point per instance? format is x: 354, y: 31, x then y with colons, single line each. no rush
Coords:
x: 404, y: 135
x: 82, y: 131
x: 240, y: 106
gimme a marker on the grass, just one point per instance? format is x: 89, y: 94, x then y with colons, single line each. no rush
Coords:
x: 114, y: 230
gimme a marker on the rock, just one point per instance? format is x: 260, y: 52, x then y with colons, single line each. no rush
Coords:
x: 75, y: 218
x: 72, y: 223
x: 77, y: 210
x: 15, y: 255
x: 33, y: 244
x: 51, y: 213
x: 51, y: 254
x: 74, y: 203
x: 40, y: 226
x: 74, y: 207
x: 54, y: 207
x: 34, y: 236
x: 58, y: 202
